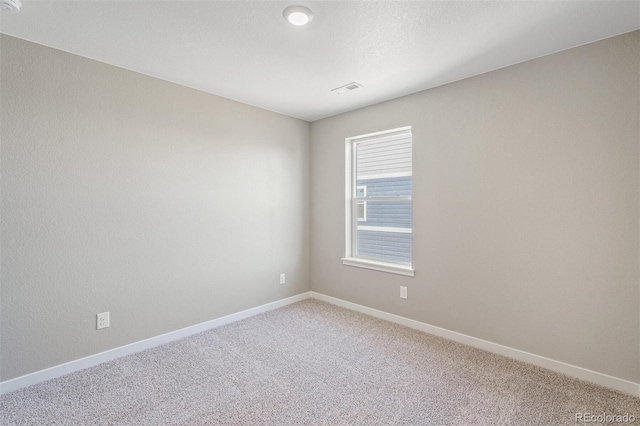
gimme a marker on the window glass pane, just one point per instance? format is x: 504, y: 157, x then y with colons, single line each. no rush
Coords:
x: 385, y: 186
x: 383, y: 158
x: 386, y: 234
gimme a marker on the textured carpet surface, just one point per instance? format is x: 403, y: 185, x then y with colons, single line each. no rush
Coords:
x: 312, y: 363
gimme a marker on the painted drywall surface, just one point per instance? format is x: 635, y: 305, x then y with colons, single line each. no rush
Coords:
x: 525, y: 207
x: 163, y: 205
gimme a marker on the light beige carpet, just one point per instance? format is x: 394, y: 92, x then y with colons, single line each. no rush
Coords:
x: 312, y: 363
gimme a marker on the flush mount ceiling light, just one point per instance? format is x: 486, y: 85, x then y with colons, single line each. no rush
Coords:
x: 10, y: 5
x: 298, y: 15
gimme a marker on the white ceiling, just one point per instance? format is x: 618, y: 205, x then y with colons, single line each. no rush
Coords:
x: 245, y: 50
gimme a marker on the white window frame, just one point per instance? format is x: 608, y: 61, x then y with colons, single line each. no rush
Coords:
x: 364, y: 203
x: 351, y: 221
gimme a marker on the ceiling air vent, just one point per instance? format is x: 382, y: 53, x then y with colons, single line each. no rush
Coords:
x: 346, y: 88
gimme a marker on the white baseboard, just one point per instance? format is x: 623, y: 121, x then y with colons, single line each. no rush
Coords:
x: 550, y: 364
x: 90, y: 361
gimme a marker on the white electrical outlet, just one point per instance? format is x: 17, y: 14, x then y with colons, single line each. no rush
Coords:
x: 282, y: 280
x: 403, y: 292
x: 102, y: 320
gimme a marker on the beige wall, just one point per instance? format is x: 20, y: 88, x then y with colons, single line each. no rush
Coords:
x: 525, y: 207
x: 168, y: 207
x: 163, y: 205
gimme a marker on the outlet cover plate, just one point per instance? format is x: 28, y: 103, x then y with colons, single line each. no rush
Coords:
x: 102, y: 320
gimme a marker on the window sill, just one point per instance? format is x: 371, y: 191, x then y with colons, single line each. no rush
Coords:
x: 391, y: 268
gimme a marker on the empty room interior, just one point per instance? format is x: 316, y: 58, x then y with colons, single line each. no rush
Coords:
x: 319, y: 213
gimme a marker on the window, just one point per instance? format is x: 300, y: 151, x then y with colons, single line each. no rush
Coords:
x: 378, y: 211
